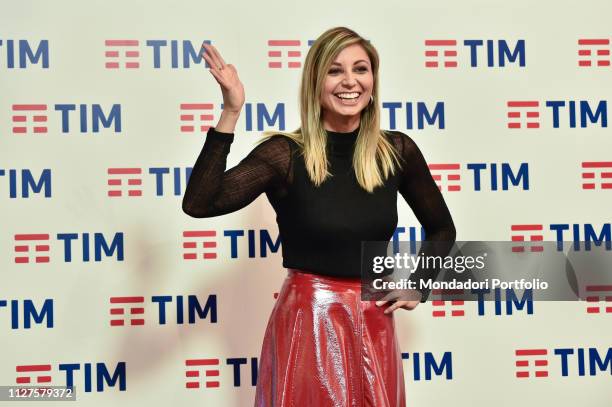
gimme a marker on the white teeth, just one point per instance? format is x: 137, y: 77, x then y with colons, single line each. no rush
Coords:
x: 348, y: 95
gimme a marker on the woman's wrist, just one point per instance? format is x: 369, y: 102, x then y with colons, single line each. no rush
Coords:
x: 227, y: 122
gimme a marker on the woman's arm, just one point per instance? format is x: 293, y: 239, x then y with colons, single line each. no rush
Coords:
x: 212, y: 191
x: 424, y: 197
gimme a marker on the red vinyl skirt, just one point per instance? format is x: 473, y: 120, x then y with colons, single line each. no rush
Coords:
x: 323, y: 346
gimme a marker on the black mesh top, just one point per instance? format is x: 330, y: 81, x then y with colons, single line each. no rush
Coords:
x: 321, y: 229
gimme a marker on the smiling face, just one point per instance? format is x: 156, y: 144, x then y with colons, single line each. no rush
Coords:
x: 347, y: 88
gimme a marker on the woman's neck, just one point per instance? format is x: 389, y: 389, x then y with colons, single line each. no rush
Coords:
x: 341, y: 124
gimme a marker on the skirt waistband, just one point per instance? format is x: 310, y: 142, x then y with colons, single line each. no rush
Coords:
x: 308, y: 277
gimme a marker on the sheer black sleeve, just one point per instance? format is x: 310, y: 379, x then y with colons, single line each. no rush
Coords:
x: 420, y: 191
x: 212, y: 191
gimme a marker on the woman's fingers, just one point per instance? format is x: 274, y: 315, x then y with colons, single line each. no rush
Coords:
x: 212, y: 56
x: 218, y: 55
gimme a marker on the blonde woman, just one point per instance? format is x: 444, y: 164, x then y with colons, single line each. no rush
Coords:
x: 333, y: 184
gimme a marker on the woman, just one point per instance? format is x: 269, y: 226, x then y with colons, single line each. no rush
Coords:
x: 333, y: 184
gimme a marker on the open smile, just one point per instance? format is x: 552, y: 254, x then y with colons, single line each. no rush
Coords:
x: 348, y: 95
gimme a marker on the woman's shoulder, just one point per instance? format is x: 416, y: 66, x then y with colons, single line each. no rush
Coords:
x: 403, y: 143
x: 280, y: 141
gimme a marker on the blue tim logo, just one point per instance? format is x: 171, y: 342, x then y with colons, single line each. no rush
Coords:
x: 158, y: 54
x: 22, y: 54
x: 480, y: 176
x: 130, y: 310
x: 82, y: 118
x: 89, y: 377
x: 542, y: 363
x: 532, y: 114
x: 22, y: 183
x: 35, y: 247
x: 451, y: 53
x: 583, y: 236
x: 25, y: 313
x: 425, y: 365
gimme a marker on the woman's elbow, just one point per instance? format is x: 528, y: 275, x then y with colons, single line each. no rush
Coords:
x: 192, y: 211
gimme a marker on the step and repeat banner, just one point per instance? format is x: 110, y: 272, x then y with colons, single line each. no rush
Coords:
x: 109, y: 287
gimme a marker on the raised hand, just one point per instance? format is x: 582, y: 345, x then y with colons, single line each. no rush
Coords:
x: 227, y: 77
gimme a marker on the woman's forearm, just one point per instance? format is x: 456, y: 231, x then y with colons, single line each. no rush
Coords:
x: 227, y: 122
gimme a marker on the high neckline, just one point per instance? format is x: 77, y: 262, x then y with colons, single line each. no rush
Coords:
x: 342, y: 136
x: 341, y: 143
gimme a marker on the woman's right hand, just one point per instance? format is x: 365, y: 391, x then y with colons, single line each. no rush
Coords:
x: 227, y: 77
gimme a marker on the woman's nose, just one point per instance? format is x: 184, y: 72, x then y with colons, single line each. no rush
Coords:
x: 348, y: 79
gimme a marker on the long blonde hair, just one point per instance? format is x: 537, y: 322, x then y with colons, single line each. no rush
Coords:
x: 374, y: 158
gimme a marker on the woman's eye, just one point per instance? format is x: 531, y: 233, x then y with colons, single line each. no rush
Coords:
x: 358, y: 69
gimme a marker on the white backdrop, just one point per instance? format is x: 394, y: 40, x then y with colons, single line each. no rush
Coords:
x: 477, y: 353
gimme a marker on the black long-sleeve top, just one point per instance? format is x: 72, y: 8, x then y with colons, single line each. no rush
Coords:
x: 321, y: 228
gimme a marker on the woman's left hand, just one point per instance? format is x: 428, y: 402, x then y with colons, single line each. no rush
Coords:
x: 404, y: 304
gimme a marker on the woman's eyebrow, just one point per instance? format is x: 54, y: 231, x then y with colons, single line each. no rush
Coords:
x: 356, y: 62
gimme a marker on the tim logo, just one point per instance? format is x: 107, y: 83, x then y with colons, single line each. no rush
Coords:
x: 447, y: 308
x: 98, y: 377
x: 599, y: 299
x: 201, y: 245
x: 205, y: 373
x: 35, y: 247
x: 24, y: 314
x: 122, y: 54
x: 21, y: 53
x: 527, y: 237
x: 596, y: 175
x: 527, y: 114
x: 582, y: 235
x: 531, y: 363
x: 491, y: 53
x: 284, y: 54
x: 489, y: 302
x: 593, y: 52
x: 415, y: 114
x: 29, y: 117
x: 425, y: 365
x: 538, y: 363
x: 196, y: 117
x: 489, y: 176
x: 127, y: 182
x: 33, y: 118
x: 130, y: 310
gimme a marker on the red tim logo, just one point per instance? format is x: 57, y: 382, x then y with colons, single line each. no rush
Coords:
x: 523, y: 114
x: 121, y: 176
x: 200, y: 367
x: 133, y: 306
x: 196, y: 117
x: 527, y: 233
x: 193, y: 238
x: 35, y: 243
x: 444, y: 308
x: 114, y: 57
x: 440, y: 53
x: 593, y: 52
x: 33, y: 115
x: 599, y: 297
x: 25, y: 374
x: 276, y: 49
x: 446, y: 175
x: 592, y: 168
x: 533, y: 357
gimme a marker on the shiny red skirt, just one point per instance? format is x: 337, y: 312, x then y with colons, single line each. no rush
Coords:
x: 323, y: 346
